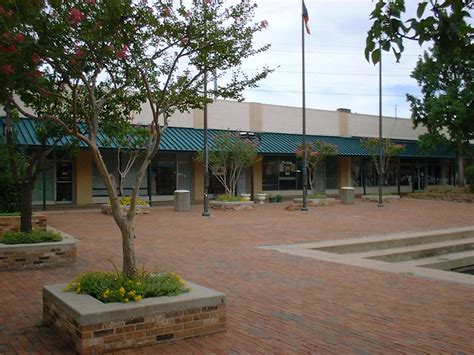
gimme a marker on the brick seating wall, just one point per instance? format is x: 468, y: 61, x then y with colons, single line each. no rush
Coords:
x: 135, y: 332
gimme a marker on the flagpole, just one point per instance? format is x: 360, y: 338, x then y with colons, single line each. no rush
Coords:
x: 305, y: 172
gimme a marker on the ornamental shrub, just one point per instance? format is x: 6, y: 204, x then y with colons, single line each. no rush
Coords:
x: 229, y: 198
x: 35, y: 236
x: 127, y: 200
x: 110, y: 287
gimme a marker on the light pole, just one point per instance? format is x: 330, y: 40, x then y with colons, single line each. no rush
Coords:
x: 205, y: 212
x: 381, y: 169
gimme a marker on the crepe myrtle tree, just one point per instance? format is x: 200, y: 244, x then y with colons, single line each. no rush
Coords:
x: 389, y: 150
x: 444, y: 75
x: 229, y: 155
x: 25, y: 166
x: 316, y: 152
x: 90, y: 64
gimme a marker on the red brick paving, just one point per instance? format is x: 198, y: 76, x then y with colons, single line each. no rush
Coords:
x: 277, y: 303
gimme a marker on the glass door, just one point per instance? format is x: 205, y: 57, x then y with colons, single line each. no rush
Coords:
x: 64, y: 181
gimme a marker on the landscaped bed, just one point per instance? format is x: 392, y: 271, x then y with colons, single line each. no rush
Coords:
x: 36, y: 249
x: 444, y: 193
x: 385, y: 198
x: 92, y: 326
x: 228, y: 203
x: 11, y: 222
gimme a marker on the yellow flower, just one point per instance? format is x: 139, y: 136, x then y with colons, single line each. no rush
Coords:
x: 122, y: 291
x: 126, y: 300
x: 78, y: 290
x: 138, y: 298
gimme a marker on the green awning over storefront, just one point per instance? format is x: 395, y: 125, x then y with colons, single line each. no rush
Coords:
x: 179, y: 139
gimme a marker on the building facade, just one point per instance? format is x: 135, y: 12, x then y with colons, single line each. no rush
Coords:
x: 278, y: 132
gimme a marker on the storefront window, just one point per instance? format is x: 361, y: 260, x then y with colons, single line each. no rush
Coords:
x: 270, y: 173
x: 331, y: 173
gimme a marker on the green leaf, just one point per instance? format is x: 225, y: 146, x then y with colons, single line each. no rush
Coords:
x: 376, y: 56
x: 421, y: 9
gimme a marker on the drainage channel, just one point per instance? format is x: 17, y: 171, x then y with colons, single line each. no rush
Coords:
x: 446, y: 254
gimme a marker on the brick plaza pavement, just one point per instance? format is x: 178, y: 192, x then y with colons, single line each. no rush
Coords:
x: 277, y: 303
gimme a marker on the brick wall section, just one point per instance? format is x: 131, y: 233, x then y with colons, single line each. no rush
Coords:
x: 12, y: 223
x: 36, y: 256
x: 134, y: 332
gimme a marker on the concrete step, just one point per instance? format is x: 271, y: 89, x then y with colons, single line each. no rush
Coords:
x: 361, y: 246
x: 423, y: 251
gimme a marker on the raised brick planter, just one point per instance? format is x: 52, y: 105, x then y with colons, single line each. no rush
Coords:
x: 94, y: 327
x: 375, y: 198
x: 231, y: 206
x: 311, y: 202
x: 12, y: 223
x: 38, y: 255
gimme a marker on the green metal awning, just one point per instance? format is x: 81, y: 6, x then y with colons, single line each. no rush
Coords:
x: 180, y: 139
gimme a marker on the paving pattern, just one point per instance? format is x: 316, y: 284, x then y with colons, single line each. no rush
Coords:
x: 277, y: 303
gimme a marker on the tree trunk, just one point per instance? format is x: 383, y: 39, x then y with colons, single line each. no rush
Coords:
x: 129, y: 262
x: 460, y: 163
x: 25, y: 207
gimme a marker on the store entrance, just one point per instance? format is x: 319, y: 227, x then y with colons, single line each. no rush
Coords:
x: 64, y: 181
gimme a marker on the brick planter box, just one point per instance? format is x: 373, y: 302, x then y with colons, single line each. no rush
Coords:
x: 375, y: 198
x: 228, y: 206
x: 94, y: 327
x: 12, y: 223
x: 38, y: 255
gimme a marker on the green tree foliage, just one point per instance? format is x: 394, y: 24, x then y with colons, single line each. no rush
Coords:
x: 9, y: 194
x: 442, y: 22
x: 91, y: 64
x: 444, y: 74
x: 229, y: 155
x: 446, y: 104
x: 315, y: 153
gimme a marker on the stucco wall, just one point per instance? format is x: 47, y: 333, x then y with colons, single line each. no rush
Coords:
x: 368, y: 126
x: 83, y: 181
x: 289, y: 120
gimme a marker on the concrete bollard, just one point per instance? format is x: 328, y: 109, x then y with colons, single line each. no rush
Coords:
x: 182, y: 200
x: 347, y: 195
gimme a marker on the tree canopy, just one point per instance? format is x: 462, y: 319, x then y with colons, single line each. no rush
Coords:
x: 92, y: 64
x: 440, y: 25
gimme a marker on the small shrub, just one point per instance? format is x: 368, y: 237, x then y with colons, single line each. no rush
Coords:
x: 110, y: 287
x: 445, y: 189
x: 35, y: 236
x: 316, y: 196
x: 229, y: 198
x: 469, y: 173
x: 127, y: 200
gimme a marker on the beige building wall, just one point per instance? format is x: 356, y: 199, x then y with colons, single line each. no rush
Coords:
x: 257, y: 177
x: 368, y: 126
x: 286, y: 119
x: 83, y: 181
x: 198, y: 181
x: 344, y: 171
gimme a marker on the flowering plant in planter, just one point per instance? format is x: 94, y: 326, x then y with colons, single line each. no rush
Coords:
x: 110, y: 287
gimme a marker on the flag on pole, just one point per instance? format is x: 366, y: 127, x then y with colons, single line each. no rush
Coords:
x: 306, y: 18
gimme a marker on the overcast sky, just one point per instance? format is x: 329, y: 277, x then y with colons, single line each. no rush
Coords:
x: 337, y: 74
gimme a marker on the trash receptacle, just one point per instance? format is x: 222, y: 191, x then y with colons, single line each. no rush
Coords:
x: 347, y: 195
x: 182, y: 200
